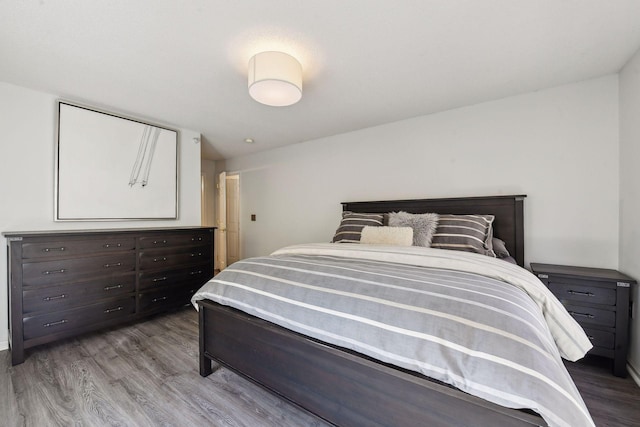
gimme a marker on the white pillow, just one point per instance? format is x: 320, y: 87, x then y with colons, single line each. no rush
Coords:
x: 391, y: 236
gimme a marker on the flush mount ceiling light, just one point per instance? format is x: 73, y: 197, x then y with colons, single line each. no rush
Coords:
x: 275, y: 79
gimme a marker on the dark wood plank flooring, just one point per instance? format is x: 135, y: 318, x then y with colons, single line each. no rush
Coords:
x: 612, y: 401
x: 146, y: 374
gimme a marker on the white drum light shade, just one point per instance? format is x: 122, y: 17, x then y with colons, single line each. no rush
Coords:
x: 275, y: 78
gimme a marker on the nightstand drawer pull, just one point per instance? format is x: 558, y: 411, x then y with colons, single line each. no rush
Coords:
x: 193, y: 273
x: 197, y: 254
x: 54, y: 298
x: 159, y: 279
x: 576, y: 313
x: 59, y: 322
x: 111, y: 310
x: 164, y: 258
x: 110, y: 245
x: 159, y: 242
x: 117, y: 264
x: 158, y: 299
x: 108, y: 288
x: 586, y: 294
x: 62, y: 270
x: 61, y: 249
x: 591, y: 338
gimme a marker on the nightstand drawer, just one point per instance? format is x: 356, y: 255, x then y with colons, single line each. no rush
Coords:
x: 591, y: 315
x: 583, y: 293
x: 599, y: 338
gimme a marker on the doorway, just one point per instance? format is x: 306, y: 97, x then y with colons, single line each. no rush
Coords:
x: 233, y: 218
x: 228, y: 243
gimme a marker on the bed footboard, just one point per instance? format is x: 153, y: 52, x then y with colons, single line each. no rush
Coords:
x: 339, y: 386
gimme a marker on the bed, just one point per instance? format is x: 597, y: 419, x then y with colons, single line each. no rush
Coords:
x: 350, y: 382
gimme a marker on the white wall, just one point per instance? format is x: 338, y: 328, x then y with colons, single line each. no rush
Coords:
x: 558, y: 146
x: 630, y: 194
x: 27, y: 122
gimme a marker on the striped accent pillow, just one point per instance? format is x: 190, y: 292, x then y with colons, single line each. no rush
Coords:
x: 352, y: 224
x: 468, y: 233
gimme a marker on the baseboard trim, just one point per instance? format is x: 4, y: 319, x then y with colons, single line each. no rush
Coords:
x: 633, y: 373
x: 4, y: 345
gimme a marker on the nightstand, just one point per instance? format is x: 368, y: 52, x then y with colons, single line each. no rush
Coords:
x: 599, y: 300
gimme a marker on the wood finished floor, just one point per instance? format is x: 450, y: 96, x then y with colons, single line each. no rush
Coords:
x: 146, y: 374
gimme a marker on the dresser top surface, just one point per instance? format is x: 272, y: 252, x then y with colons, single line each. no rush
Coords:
x: 45, y: 233
x: 583, y: 272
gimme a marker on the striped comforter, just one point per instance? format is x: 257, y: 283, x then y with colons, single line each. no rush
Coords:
x: 483, y: 325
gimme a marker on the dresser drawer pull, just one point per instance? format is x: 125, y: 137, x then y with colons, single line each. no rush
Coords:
x: 54, y: 298
x: 196, y: 254
x: 111, y: 310
x: 586, y: 294
x: 111, y: 245
x: 159, y: 242
x: 159, y: 279
x: 575, y: 313
x: 164, y: 258
x: 60, y: 249
x: 62, y: 270
x: 590, y: 337
x: 108, y: 288
x: 116, y: 264
x: 158, y: 299
x: 193, y: 273
x: 199, y: 239
x: 59, y: 322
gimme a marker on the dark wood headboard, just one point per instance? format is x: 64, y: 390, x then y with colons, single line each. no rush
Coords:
x: 508, y: 211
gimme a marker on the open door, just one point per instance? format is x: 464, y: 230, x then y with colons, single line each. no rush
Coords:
x: 221, y: 244
x: 233, y: 219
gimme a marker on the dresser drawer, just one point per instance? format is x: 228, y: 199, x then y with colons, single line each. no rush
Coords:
x: 591, y: 315
x: 602, y: 339
x: 182, y: 239
x: 66, y: 270
x: 583, y: 293
x: 63, y: 297
x: 196, y: 275
x: 166, y: 298
x: 155, y: 259
x: 63, y: 321
x: 76, y: 247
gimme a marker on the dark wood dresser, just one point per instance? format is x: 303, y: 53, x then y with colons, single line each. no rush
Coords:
x: 599, y: 300
x: 62, y: 284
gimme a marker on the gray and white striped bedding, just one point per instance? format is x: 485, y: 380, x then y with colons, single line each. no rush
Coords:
x: 483, y: 325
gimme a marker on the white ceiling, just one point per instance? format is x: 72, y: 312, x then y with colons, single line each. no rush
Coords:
x: 366, y: 62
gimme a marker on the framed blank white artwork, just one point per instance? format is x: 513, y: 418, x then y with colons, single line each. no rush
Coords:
x: 110, y: 167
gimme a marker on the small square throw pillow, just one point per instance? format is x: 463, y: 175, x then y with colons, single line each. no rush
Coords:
x: 391, y: 236
x: 423, y: 225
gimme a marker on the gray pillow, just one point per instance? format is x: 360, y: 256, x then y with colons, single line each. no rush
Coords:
x: 469, y: 233
x: 424, y: 225
x: 350, y: 228
x: 500, y: 248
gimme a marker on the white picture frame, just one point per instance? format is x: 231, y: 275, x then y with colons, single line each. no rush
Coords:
x: 113, y: 168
